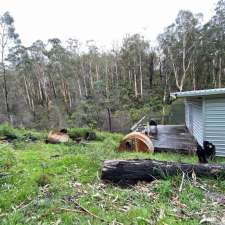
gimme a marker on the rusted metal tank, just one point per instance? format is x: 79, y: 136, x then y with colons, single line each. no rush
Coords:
x: 136, y: 141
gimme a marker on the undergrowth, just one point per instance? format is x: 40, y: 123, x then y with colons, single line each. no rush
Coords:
x: 60, y: 184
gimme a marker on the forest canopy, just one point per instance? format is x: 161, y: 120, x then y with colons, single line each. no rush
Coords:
x: 51, y: 84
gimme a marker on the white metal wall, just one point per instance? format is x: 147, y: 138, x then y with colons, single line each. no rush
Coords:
x: 214, y: 128
x: 188, y: 111
x: 197, y: 114
x: 194, y: 118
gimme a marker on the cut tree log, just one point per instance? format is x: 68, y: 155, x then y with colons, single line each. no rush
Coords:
x: 129, y: 172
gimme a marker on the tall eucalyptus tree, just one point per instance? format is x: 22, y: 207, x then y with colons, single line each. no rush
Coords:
x: 8, y: 37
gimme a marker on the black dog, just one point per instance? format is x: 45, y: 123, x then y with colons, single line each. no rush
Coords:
x: 152, y: 123
x: 207, y: 152
x: 64, y: 131
x: 153, y: 127
x: 201, y: 154
x: 210, y: 150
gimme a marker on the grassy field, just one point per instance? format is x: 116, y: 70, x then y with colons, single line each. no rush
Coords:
x: 60, y: 184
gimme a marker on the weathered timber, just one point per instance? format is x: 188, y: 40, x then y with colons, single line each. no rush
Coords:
x: 183, y: 151
x: 134, y: 127
x: 128, y: 172
x: 175, y: 139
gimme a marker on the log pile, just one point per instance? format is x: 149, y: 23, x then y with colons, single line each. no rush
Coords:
x: 129, y: 172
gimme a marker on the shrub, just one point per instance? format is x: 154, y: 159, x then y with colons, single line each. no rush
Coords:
x: 7, y: 158
x: 79, y: 132
x: 6, y: 129
x: 22, y: 135
x: 101, y: 136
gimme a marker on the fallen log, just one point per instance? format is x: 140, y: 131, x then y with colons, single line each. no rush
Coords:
x: 129, y: 172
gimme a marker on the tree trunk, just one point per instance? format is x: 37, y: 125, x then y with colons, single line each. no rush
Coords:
x: 214, y: 72
x: 5, y: 91
x: 27, y: 92
x: 96, y: 71
x: 220, y: 72
x: 135, y: 84
x: 160, y: 71
x: 109, y: 119
x: 52, y: 83
x: 141, y: 76
x: 174, y: 70
x: 129, y: 76
x: 85, y: 86
x: 83, y: 75
x: 90, y: 74
x: 106, y: 80
x: 111, y: 76
x: 3, y: 45
x: 193, y: 76
x: 117, y: 76
x: 33, y: 109
x: 66, y: 96
x: 151, y: 70
x: 79, y: 87
x: 125, y: 172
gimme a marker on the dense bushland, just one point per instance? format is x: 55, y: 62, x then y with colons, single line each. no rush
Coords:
x: 77, y: 84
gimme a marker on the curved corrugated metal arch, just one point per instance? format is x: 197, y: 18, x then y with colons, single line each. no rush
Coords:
x: 136, y: 141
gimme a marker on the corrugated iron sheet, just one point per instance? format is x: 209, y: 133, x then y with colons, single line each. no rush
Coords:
x: 136, y: 141
x: 214, y: 129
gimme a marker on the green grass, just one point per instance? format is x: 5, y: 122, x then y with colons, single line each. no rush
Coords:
x: 78, y: 132
x: 45, y: 184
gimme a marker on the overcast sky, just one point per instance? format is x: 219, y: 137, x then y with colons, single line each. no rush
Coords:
x: 104, y: 21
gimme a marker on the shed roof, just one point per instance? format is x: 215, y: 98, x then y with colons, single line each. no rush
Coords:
x: 207, y: 92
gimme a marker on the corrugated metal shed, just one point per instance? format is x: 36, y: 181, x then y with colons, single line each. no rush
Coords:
x: 205, y: 116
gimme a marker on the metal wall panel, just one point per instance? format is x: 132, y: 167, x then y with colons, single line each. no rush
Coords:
x: 187, y: 122
x: 214, y: 128
x: 194, y: 118
x: 188, y: 115
x: 197, y: 121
